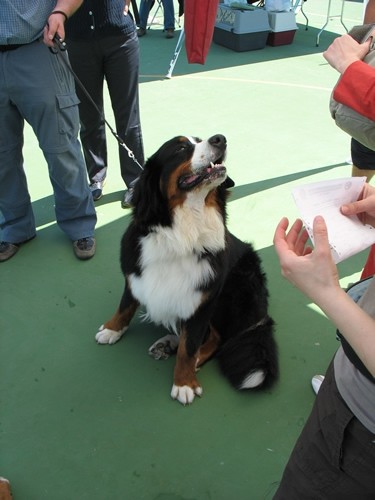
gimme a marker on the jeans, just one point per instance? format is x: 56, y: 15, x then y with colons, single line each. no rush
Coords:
x: 144, y: 10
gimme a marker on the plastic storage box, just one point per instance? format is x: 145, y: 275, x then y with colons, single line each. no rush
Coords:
x: 241, y: 30
x: 282, y: 21
x: 283, y: 28
x: 280, y: 37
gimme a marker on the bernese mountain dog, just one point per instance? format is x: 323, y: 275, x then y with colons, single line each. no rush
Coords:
x: 190, y: 274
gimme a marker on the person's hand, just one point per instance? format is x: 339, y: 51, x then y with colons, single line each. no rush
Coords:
x: 126, y: 7
x: 364, y: 208
x: 344, y: 50
x: 54, y: 26
x: 312, y: 271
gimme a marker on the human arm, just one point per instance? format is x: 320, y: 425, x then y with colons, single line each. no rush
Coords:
x: 344, y: 51
x: 315, y: 274
x: 56, y: 20
x: 356, y: 87
x: 126, y: 7
x: 369, y: 12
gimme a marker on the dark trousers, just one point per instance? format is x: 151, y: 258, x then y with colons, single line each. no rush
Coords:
x: 334, y: 457
x: 362, y: 156
x: 115, y: 59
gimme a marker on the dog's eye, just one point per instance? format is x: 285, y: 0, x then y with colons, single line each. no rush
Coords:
x: 181, y: 147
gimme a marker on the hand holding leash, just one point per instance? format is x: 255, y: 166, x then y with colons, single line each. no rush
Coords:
x: 54, y: 27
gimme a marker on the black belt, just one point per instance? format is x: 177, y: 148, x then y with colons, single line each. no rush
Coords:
x: 5, y: 48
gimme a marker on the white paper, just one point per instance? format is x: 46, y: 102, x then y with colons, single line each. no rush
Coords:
x: 346, y: 234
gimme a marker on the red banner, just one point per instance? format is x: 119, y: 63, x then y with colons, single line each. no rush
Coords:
x: 199, y: 25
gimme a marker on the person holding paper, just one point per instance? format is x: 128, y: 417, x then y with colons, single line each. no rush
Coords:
x: 334, y: 457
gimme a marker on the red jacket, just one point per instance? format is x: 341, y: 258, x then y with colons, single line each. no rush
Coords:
x: 356, y: 89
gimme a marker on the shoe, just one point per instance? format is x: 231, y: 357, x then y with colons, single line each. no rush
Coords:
x: 8, y: 250
x: 170, y: 33
x: 316, y: 382
x: 141, y: 32
x: 127, y: 200
x: 96, y: 189
x: 84, y: 248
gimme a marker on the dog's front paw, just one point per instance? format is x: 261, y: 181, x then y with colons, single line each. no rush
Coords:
x: 164, y: 347
x: 185, y: 394
x: 106, y: 336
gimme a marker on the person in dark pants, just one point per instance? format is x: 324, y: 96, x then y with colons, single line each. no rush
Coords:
x: 103, y: 45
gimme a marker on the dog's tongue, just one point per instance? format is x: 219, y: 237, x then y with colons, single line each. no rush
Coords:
x: 191, y: 179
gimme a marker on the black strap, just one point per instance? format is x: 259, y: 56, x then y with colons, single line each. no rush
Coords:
x: 349, y: 351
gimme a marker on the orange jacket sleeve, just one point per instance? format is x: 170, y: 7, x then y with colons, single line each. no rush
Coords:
x: 356, y: 89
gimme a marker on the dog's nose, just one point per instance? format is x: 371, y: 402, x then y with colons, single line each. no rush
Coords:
x: 218, y: 140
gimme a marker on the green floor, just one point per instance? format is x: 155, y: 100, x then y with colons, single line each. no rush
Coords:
x: 80, y: 421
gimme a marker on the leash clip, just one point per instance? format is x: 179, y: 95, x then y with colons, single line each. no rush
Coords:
x: 59, y: 44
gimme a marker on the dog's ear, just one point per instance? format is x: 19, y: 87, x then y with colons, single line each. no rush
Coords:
x: 150, y: 208
x: 228, y: 183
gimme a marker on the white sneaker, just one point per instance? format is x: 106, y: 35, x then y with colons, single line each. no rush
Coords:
x: 316, y: 382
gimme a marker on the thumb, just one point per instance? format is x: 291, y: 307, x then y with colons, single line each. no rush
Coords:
x: 357, y: 207
x: 320, y: 232
x: 366, y: 46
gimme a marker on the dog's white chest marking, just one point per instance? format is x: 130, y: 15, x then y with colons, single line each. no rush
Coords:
x: 172, y: 269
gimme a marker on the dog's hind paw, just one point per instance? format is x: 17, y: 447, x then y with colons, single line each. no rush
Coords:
x: 185, y: 394
x: 164, y: 347
x: 106, y: 336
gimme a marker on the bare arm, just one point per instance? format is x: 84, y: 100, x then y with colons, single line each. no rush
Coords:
x: 369, y: 12
x: 126, y: 7
x: 314, y: 273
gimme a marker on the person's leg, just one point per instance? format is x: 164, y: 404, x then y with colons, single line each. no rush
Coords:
x: 44, y: 92
x: 16, y: 215
x: 144, y: 11
x: 122, y: 71
x: 87, y: 62
x: 363, y: 160
x: 168, y: 14
x: 334, y: 457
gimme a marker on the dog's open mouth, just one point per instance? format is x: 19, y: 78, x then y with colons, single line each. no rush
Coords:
x: 206, y: 174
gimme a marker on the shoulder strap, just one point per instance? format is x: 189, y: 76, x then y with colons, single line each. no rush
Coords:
x: 349, y: 351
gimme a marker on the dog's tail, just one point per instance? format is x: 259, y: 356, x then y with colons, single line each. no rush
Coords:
x: 249, y: 359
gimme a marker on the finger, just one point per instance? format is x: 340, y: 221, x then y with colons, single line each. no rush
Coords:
x: 357, y: 207
x: 320, y: 234
x: 301, y: 242
x: 280, y: 231
x: 295, y: 230
x: 367, y: 44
